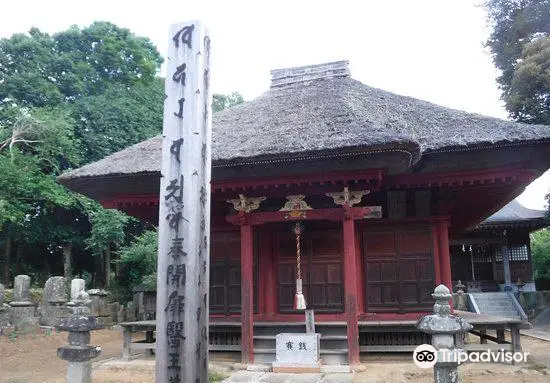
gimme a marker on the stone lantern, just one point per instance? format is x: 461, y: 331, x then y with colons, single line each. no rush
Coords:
x: 78, y: 352
x: 443, y: 327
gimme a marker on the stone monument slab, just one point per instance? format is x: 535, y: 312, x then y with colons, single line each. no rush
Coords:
x: 297, y: 352
x: 77, y: 285
x: 21, y: 291
x: 55, y: 291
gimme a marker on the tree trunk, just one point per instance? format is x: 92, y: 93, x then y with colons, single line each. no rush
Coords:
x: 107, y: 267
x: 7, y: 252
x: 18, y: 258
x: 99, y: 270
x: 67, y: 260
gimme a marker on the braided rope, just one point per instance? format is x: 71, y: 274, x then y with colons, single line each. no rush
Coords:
x: 298, y: 269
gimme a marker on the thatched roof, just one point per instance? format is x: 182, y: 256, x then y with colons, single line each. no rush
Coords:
x: 327, y: 115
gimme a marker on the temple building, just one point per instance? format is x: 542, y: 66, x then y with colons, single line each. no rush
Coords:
x: 495, y: 254
x: 379, y: 184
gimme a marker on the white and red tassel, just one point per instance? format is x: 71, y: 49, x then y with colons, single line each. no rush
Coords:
x: 299, y: 299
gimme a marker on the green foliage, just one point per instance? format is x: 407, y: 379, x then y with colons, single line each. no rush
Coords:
x: 138, y: 262
x: 528, y: 98
x: 221, y: 101
x: 520, y: 47
x: 540, y: 248
x: 65, y: 100
x: 107, y: 230
x: 119, y: 117
x: 43, y: 70
x: 32, y: 151
x: 214, y: 376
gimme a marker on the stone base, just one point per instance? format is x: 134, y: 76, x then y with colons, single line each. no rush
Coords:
x: 6, y: 330
x: 105, y: 320
x: 53, y: 315
x: 80, y: 372
x: 296, y: 368
x: 22, y: 317
x: 4, y: 317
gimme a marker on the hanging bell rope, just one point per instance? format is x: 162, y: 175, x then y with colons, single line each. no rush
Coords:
x: 299, y: 299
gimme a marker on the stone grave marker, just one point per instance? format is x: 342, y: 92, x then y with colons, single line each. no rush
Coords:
x: 296, y: 353
x: 77, y: 285
x: 53, y: 308
x: 22, y: 308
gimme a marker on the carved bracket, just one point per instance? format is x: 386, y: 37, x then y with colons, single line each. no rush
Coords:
x: 246, y: 204
x: 296, y: 206
x: 347, y: 197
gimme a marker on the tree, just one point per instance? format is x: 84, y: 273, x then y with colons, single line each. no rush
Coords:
x: 33, y: 150
x: 540, y: 248
x: 42, y: 70
x: 107, y: 233
x: 520, y: 47
x: 65, y: 100
x: 528, y: 98
x: 118, y: 118
x: 138, y: 261
x: 222, y: 101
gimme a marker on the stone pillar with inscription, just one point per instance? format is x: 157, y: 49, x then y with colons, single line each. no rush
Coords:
x: 184, y: 210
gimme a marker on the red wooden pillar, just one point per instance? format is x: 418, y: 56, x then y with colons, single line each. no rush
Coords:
x: 350, y: 274
x: 436, y: 256
x: 444, y: 255
x: 247, y: 298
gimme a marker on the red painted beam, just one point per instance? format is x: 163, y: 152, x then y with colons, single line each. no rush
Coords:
x: 513, y: 174
x: 336, y: 214
x: 350, y: 274
x: 303, y: 179
x: 247, y: 291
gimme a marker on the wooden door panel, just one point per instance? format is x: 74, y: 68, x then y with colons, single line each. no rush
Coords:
x: 415, y: 242
x: 335, y: 295
x: 321, y: 269
x: 388, y: 272
x: 318, y: 274
x: 425, y: 270
x: 334, y: 273
x: 225, y: 273
x: 398, y: 266
x: 390, y: 294
x: 317, y: 296
x: 407, y: 270
x: 374, y: 297
x: 425, y: 290
x: 381, y: 243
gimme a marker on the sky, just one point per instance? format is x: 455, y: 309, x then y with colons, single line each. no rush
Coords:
x: 427, y: 49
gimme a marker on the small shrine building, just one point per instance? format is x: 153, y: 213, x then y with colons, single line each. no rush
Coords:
x: 495, y: 254
x: 379, y: 182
